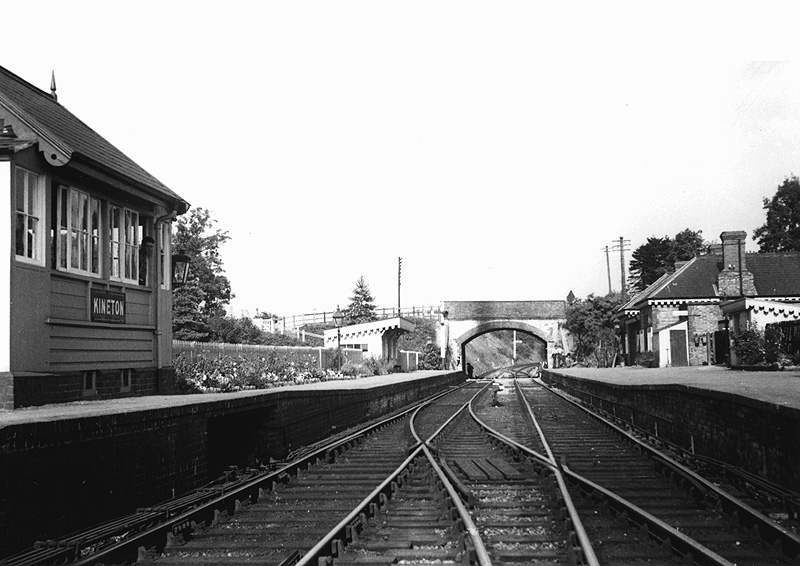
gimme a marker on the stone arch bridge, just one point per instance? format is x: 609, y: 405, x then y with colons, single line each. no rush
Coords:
x: 463, y: 321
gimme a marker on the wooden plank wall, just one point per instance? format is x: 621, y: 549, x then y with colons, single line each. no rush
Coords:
x: 78, y: 344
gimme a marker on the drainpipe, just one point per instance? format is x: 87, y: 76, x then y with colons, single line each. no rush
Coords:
x: 741, y: 283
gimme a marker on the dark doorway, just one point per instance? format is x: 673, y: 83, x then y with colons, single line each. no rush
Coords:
x: 721, y: 347
x: 677, y: 345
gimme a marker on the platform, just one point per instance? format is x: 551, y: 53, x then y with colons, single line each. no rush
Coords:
x: 115, y: 455
x: 780, y: 388
x: 124, y: 405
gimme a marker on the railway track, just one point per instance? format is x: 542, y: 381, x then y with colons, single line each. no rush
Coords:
x: 516, y: 504
x: 659, y: 496
x: 323, y: 507
x: 145, y: 533
x: 479, y: 475
x: 516, y: 509
x: 379, y: 496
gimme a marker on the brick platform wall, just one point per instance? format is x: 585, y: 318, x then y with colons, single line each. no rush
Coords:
x: 757, y: 436
x: 61, y: 475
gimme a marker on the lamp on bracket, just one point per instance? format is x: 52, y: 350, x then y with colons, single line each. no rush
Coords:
x: 180, y: 268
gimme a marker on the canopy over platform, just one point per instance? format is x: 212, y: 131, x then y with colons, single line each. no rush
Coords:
x: 763, y: 311
x: 377, y: 339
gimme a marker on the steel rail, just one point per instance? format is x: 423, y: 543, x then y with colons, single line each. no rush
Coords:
x: 446, y: 423
x: 700, y: 554
x: 761, y: 487
x: 701, y: 489
x: 469, y: 525
x: 230, y: 500
x: 481, y: 553
x: 339, y: 532
x: 680, y: 542
x: 459, y: 487
x: 769, y: 530
x: 589, y: 555
x: 577, y: 524
x: 656, y: 528
x: 335, y: 537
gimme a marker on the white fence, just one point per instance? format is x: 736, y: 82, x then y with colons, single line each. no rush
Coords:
x: 294, y: 322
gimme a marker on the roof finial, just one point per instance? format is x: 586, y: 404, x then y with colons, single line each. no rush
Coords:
x: 53, y: 86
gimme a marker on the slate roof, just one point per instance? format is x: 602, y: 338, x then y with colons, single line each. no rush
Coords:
x: 492, y: 310
x: 88, y: 146
x: 774, y: 275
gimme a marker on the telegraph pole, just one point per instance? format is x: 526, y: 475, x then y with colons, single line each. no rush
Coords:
x: 399, y: 267
x: 622, y: 245
x: 608, y: 267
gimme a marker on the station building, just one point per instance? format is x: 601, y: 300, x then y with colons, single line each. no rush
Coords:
x: 377, y: 339
x: 85, y: 290
x: 685, y: 317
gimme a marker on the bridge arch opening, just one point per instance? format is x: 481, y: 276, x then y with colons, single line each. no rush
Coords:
x: 538, y: 344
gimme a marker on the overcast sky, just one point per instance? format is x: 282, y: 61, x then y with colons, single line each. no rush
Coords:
x: 496, y: 146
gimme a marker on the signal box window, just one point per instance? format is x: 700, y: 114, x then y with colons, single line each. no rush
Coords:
x: 125, y: 238
x: 29, y: 194
x: 78, y: 221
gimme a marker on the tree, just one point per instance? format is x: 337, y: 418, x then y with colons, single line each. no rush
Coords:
x: 781, y: 231
x: 591, y: 324
x: 649, y: 262
x: 236, y: 330
x: 686, y: 245
x: 659, y: 255
x: 208, y: 290
x: 424, y: 333
x: 188, y: 321
x: 361, y: 307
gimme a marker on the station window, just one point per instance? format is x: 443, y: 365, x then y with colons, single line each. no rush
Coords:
x: 78, y: 248
x: 29, y: 214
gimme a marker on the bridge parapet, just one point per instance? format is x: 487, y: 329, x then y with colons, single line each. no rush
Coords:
x: 294, y: 322
x: 505, y: 310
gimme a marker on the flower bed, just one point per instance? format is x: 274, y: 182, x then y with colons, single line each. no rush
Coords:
x: 202, y: 373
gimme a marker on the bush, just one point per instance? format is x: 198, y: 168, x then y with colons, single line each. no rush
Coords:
x: 749, y: 346
x: 645, y: 359
x: 772, y: 345
x: 377, y: 366
x: 370, y: 366
x: 353, y: 369
x: 430, y: 357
